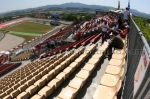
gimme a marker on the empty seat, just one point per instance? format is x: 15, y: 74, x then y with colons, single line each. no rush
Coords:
x: 15, y: 93
x: 30, y: 82
x: 37, y: 97
x: 89, y: 67
x: 116, y: 62
x: 93, y: 61
x: 40, y: 83
x: 74, y: 65
x: 32, y: 89
x: 118, y: 56
x: 8, y: 97
x: 115, y: 70
x: 22, y: 87
x: 46, y: 91
x: 67, y: 71
x: 9, y: 90
x: 97, y: 55
x: 3, y: 95
x: 61, y: 76
x: 67, y: 93
x: 79, y: 60
x: 54, y: 83
x: 110, y: 80
x: 23, y: 95
x: 103, y: 92
x: 76, y: 83
x: 83, y: 74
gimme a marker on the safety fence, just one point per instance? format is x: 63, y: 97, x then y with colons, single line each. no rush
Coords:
x: 137, y: 79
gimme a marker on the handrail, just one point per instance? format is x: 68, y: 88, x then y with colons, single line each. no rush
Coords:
x: 142, y: 37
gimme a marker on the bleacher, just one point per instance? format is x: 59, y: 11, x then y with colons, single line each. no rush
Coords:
x: 4, y: 68
x: 72, y: 64
x: 25, y: 55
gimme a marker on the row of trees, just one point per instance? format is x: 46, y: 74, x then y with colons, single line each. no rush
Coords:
x: 144, y: 25
x: 77, y: 17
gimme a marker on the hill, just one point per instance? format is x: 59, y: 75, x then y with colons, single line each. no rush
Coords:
x: 79, y: 6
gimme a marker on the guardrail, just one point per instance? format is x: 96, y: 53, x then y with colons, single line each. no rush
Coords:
x: 137, y: 80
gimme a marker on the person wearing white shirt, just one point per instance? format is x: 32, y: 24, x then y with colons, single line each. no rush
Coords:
x: 105, y: 28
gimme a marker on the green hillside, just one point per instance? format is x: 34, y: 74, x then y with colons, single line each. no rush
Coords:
x: 144, y: 26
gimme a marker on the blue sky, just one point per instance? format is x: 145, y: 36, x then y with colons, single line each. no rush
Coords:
x: 8, y: 5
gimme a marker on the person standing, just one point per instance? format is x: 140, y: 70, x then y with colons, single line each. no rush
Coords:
x: 105, y: 28
x: 126, y: 15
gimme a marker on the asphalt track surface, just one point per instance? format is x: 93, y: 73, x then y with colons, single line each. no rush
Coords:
x: 10, y: 41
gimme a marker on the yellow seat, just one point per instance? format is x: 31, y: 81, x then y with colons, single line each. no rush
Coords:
x: 30, y: 82
x: 7, y: 97
x: 15, y: 93
x: 67, y: 71
x: 23, y: 95
x: 83, y: 74
x: 2, y: 95
x: 37, y: 97
x: 115, y: 70
x: 97, y: 55
x: 40, y: 83
x: 110, y: 80
x: 118, y: 56
x: 22, y: 87
x: 67, y: 93
x: 9, y: 90
x: 103, y: 92
x: 32, y: 89
x: 37, y: 77
x: 93, y: 61
x: 57, y: 70
x: 61, y: 76
x: 76, y: 83
x: 74, y: 65
x: 54, y: 83
x: 89, y: 67
x: 16, y: 86
x: 116, y: 62
x: 45, y: 91
x: 79, y: 60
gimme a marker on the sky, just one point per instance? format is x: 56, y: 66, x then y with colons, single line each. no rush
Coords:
x: 9, y: 5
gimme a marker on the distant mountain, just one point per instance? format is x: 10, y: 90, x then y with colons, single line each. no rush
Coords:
x: 76, y: 6
x: 141, y: 14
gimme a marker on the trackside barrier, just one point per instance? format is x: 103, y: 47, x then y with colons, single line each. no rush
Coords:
x: 137, y: 78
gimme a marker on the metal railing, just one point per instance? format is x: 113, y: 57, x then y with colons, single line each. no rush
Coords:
x: 136, y: 44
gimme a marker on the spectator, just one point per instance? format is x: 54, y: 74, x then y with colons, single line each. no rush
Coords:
x: 105, y: 34
x: 126, y: 15
x: 115, y: 43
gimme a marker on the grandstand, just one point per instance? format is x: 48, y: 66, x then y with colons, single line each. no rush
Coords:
x: 63, y: 69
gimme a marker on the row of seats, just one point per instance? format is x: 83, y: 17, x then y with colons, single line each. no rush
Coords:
x: 73, y: 87
x: 76, y: 44
x: 23, y: 56
x: 111, y: 81
x: 4, y: 68
x: 58, y: 35
x: 27, y: 75
x: 56, y: 67
x: 62, y: 76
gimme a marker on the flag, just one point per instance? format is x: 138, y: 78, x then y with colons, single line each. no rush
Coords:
x: 118, y: 4
x: 129, y: 4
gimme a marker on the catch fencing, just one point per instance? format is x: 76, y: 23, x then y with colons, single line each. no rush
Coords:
x: 137, y: 79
